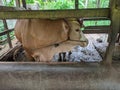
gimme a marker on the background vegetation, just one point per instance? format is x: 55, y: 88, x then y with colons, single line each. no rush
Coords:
x: 62, y: 4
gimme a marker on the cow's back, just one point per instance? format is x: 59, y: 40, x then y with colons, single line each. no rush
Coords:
x: 37, y: 33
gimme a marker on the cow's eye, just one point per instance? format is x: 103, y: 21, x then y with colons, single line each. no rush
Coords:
x: 77, y: 30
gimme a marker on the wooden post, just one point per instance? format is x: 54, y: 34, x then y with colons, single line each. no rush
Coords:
x: 76, y: 4
x: 115, y: 26
x: 8, y: 35
x: 17, y: 3
x: 24, y: 3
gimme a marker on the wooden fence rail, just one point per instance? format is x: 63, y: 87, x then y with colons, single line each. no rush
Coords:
x: 80, y: 13
x: 6, y: 31
x: 112, y: 13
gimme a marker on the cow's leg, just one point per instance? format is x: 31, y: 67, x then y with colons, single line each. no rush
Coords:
x: 115, y: 28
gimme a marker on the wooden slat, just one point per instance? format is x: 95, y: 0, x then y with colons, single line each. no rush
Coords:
x: 8, y: 35
x: 17, y: 14
x: 5, y: 32
x: 96, y: 29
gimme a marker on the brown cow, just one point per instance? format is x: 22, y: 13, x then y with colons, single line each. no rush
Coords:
x: 42, y: 38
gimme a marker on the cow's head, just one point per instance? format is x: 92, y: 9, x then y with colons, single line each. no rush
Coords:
x: 76, y: 34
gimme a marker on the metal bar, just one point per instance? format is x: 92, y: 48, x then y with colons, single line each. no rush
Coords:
x: 8, y: 35
x: 17, y: 14
x: 6, y: 31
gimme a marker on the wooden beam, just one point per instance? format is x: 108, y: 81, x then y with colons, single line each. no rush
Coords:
x: 17, y: 14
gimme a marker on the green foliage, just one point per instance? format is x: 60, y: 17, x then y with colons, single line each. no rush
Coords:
x: 11, y: 3
x: 63, y: 4
x: 56, y: 4
x: 104, y: 3
x: 97, y: 23
x: 29, y: 1
x: 93, y: 3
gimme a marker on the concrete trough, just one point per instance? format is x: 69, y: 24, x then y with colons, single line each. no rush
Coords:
x: 58, y: 76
